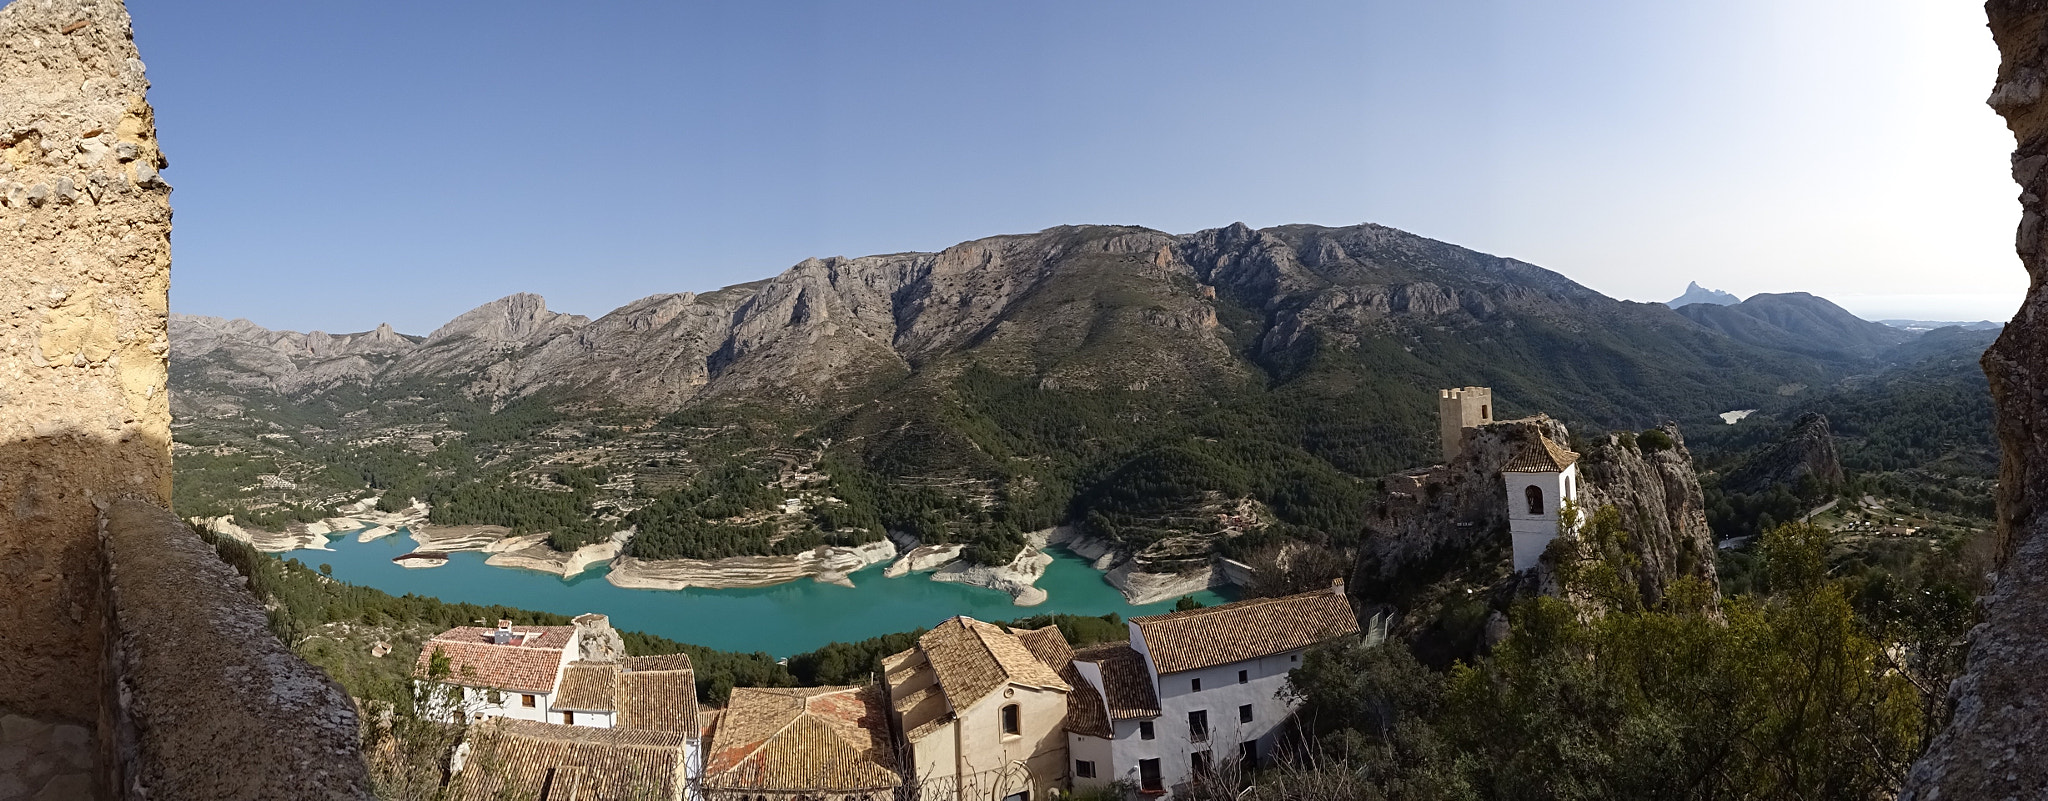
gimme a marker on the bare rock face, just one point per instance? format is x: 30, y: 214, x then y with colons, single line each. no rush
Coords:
x: 600, y: 642
x: 1451, y: 508
x: 1993, y: 745
x: 1808, y: 449
x: 1462, y: 506
x: 85, y: 261
x: 1661, y: 506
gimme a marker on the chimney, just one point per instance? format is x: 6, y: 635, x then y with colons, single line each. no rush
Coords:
x: 503, y: 636
x: 1337, y: 586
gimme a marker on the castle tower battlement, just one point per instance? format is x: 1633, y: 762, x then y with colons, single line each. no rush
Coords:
x: 1459, y: 411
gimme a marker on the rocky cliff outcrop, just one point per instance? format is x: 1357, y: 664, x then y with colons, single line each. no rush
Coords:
x: 1446, y: 512
x: 1806, y: 449
x: 1993, y: 745
x: 1450, y: 509
x: 1661, y: 506
x: 85, y: 264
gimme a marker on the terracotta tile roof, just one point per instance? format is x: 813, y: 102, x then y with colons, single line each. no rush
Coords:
x: 658, y: 693
x: 1085, y: 711
x: 1542, y: 456
x: 525, y: 759
x: 815, y: 739
x: 663, y: 700
x: 658, y: 662
x: 527, y: 665
x: 1243, y: 630
x: 1048, y: 644
x: 588, y: 687
x: 973, y: 659
x: 1126, y: 685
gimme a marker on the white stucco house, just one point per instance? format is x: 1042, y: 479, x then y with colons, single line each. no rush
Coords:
x: 534, y: 674
x: 1194, y: 691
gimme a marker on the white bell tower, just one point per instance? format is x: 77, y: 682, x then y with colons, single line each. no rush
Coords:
x: 1539, y: 480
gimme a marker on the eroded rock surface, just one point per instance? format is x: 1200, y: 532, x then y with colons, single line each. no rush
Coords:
x: 85, y: 259
x: 1994, y: 743
x: 1442, y: 512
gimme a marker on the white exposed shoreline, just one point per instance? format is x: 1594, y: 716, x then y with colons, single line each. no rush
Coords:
x: 826, y: 564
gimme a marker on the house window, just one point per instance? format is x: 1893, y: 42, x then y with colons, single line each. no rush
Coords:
x: 1486, y: 411
x: 1195, y: 686
x: 1199, y: 760
x: 1248, y: 753
x: 1294, y: 657
x: 1244, y: 713
x: 1084, y: 768
x: 1535, y: 495
x: 1024, y: 795
x: 526, y: 700
x: 1144, y: 730
x: 1013, y: 720
x: 1244, y: 677
x: 1198, y: 726
x: 569, y: 718
x: 1148, y: 776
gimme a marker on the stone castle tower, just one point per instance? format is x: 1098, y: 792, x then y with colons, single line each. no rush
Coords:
x: 1460, y: 411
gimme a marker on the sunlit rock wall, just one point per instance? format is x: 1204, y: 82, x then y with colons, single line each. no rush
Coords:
x: 85, y: 258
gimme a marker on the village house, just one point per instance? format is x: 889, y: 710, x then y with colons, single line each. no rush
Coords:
x: 562, y: 707
x: 981, y: 715
x: 973, y: 711
x: 502, y: 672
x: 812, y: 743
x: 1196, y: 693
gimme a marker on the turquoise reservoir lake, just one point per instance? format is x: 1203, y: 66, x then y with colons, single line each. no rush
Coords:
x: 781, y: 620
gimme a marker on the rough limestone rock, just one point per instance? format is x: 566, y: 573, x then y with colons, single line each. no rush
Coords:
x: 1994, y: 743
x: 1451, y: 508
x: 600, y: 642
x: 1019, y: 578
x: 1808, y: 449
x: 829, y: 563
x: 1461, y: 507
x: 85, y: 260
x: 1661, y: 506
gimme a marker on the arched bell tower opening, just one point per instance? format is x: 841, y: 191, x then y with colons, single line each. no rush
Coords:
x: 1540, y: 478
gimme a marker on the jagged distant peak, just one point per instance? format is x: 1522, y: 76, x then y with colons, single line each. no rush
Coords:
x: 512, y: 318
x: 1694, y: 293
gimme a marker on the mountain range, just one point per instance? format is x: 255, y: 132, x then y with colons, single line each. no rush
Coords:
x: 1009, y: 383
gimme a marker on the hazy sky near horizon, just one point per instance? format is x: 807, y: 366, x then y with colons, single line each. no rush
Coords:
x: 338, y: 165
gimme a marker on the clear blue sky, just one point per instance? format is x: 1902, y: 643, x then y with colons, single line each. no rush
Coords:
x: 343, y: 164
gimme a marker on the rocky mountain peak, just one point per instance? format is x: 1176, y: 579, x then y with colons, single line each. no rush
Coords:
x: 1694, y: 293
x: 515, y: 318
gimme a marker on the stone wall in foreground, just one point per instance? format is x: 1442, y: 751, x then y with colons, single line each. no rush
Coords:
x: 202, y: 701
x: 1994, y: 745
x: 85, y: 260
